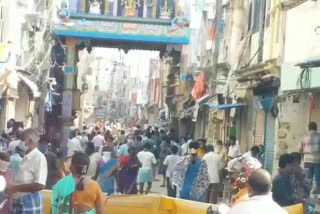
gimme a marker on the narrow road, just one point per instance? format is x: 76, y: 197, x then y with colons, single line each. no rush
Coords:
x: 156, y: 189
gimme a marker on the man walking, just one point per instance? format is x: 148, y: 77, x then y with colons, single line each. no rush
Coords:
x: 74, y: 144
x: 214, y: 164
x: 31, y: 177
x: 98, y: 141
x: 260, y: 200
x: 310, y: 149
x: 170, y: 162
x: 147, y: 160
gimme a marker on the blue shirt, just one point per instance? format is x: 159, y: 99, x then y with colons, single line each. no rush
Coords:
x: 15, y: 160
x: 123, y: 150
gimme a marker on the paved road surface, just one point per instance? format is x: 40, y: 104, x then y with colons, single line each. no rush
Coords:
x: 156, y: 189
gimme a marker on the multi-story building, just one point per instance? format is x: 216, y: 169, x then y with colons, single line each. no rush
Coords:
x: 261, y: 63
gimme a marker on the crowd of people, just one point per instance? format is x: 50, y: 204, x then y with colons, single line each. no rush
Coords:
x: 98, y: 162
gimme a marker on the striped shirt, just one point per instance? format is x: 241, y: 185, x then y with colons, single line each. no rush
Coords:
x: 310, y: 147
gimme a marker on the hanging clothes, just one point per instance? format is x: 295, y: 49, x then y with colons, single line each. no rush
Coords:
x: 199, y: 88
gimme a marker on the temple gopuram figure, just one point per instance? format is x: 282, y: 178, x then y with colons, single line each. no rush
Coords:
x: 166, y: 9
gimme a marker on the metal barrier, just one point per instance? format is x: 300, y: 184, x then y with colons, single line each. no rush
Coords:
x: 153, y: 204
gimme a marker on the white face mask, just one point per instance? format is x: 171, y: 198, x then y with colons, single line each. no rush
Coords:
x: 106, y: 156
x: 4, y: 165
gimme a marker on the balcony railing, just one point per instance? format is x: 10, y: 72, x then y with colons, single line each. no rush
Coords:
x: 149, y: 9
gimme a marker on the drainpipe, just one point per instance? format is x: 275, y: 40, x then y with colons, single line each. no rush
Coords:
x: 261, y: 32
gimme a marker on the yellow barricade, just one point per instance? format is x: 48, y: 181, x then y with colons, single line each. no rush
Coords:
x: 153, y: 204
x: 295, y: 209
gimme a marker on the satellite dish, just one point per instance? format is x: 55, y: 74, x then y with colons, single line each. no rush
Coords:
x: 3, y: 183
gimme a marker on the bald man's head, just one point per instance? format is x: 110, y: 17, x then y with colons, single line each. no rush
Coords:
x: 260, y: 182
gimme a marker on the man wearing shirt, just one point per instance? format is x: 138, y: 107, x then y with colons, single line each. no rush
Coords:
x: 281, y: 186
x: 94, y: 157
x: 31, y: 177
x: 98, y: 141
x: 15, y: 143
x: 254, y: 152
x: 54, y: 173
x: 260, y: 201
x: 234, y: 149
x: 170, y: 162
x: 122, y: 139
x: 148, y: 160
x: 309, y: 148
x: 74, y: 145
x: 214, y: 164
x: 84, y: 141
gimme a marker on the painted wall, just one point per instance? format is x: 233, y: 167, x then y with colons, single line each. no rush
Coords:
x: 292, y: 124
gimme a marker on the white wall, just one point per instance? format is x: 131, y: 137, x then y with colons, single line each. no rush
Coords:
x: 297, y: 117
x: 301, y: 40
x: 237, y: 29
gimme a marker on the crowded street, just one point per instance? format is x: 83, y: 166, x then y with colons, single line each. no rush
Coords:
x: 159, y: 107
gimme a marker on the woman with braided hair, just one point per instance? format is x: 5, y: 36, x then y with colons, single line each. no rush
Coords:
x: 77, y: 193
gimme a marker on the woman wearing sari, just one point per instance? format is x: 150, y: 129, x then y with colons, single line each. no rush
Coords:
x: 108, y: 170
x: 129, y: 167
x: 77, y: 193
x: 190, y: 175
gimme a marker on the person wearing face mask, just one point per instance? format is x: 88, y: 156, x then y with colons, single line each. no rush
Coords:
x: 108, y: 170
x: 190, y: 175
x: 7, y: 174
x: 31, y: 177
x: 94, y: 157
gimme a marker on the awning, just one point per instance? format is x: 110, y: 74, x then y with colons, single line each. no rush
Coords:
x: 227, y: 106
x: 33, y: 87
